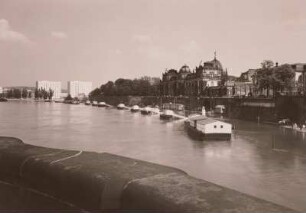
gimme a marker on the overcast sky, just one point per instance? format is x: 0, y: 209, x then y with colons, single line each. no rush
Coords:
x: 101, y: 40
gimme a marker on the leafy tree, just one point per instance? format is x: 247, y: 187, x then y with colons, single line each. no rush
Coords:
x: 51, y: 93
x: 24, y: 93
x: 95, y: 93
x: 278, y: 78
x: 36, y: 94
x: 16, y: 93
x: 267, y: 64
x: 68, y: 98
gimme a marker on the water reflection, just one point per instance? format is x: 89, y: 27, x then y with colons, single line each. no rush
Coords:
x: 262, y: 160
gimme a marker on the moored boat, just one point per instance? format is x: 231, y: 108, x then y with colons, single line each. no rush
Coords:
x: 121, y: 106
x: 75, y: 102
x: 135, y: 108
x: 94, y: 103
x: 208, y: 128
x: 166, y: 114
x: 146, y: 111
x: 219, y: 109
x: 101, y: 104
x: 3, y: 100
x: 155, y: 110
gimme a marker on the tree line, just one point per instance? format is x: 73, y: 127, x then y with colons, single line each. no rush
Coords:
x: 17, y: 93
x: 277, y: 79
x: 43, y: 94
x: 144, y: 86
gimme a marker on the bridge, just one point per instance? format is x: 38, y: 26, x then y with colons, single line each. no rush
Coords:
x: 39, y: 178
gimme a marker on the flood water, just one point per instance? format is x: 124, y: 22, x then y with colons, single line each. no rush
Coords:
x: 261, y: 160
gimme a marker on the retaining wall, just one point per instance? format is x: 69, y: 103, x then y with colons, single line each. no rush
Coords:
x: 38, y: 178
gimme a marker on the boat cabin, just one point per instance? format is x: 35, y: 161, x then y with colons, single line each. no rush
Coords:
x: 210, y: 128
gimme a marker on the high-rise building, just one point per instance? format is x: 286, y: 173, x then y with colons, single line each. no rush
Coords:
x: 79, y: 88
x: 55, y: 86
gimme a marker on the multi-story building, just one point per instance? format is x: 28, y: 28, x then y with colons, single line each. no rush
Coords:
x: 209, y: 74
x: 1, y: 90
x: 300, y: 76
x: 79, y: 88
x: 55, y: 86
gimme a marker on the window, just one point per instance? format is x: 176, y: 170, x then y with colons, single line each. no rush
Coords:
x: 221, y: 126
x: 215, y: 126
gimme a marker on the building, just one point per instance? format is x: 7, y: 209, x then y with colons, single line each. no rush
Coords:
x: 55, y: 86
x: 79, y: 88
x: 300, y: 76
x: 185, y: 82
x: 1, y: 90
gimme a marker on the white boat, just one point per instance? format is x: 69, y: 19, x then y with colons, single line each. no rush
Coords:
x: 146, y: 111
x: 121, y: 106
x: 155, y: 110
x: 208, y: 128
x: 101, y: 104
x: 166, y: 114
x: 94, y: 103
x: 219, y: 109
x: 135, y: 108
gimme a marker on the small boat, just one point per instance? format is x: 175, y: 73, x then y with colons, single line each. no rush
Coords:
x: 219, y: 109
x: 87, y: 103
x: 146, y: 111
x: 208, y: 128
x: 166, y: 114
x: 75, y: 102
x: 121, y: 106
x: 94, y: 103
x: 3, y: 100
x: 135, y: 108
x: 101, y: 104
x: 155, y: 110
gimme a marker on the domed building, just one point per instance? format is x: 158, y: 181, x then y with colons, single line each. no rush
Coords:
x: 209, y: 74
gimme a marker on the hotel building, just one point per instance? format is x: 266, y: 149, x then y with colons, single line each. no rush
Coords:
x: 79, y: 88
x: 55, y: 86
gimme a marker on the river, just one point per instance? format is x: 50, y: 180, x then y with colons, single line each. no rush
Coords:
x: 261, y: 160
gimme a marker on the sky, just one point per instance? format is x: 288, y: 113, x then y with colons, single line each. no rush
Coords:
x: 102, y: 40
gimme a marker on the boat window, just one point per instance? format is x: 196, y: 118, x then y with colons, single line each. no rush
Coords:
x: 221, y: 126
x: 215, y: 126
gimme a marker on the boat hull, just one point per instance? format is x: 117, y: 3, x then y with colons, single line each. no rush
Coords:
x: 135, y: 110
x: 144, y: 112
x: 165, y: 117
x: 192, y: 131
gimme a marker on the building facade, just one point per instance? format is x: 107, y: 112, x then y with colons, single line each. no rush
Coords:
x: 1, y: 90
x: 300, y: 77
x: 200, y: 81
x: 79, y: 88
x: 55, y: 86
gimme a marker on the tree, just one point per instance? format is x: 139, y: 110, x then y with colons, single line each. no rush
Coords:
x: 68, y: 98
x: 95, y: 93
x: 267, y: 64
x: 51, y: 93
x: 24, y: 93
x: 283, y: 78
x: 36, y: 94
x: 16, y: 93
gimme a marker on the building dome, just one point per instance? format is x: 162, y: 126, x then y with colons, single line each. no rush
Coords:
x: 217, y: 64
x: 184, y: 69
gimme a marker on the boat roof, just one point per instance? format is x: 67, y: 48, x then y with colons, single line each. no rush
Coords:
x: 204, y: 120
